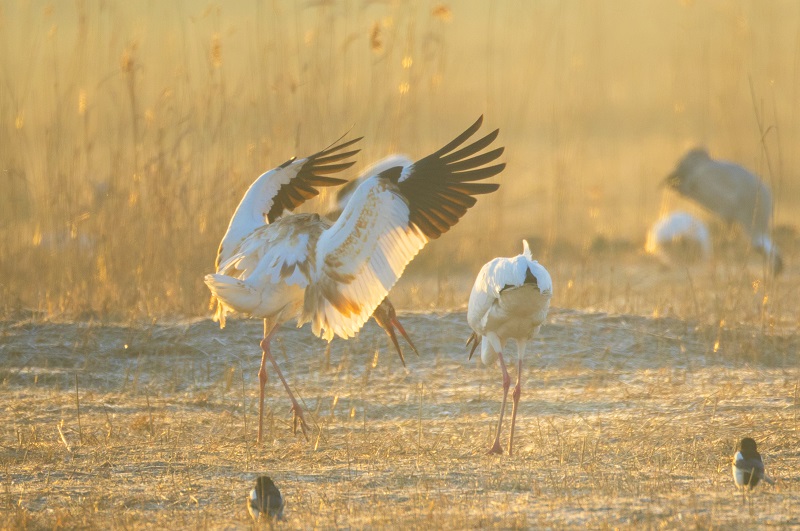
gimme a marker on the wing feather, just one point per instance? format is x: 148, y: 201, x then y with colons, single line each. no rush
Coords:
x: 472, y: 148
x: 277, y: 252
x: 474, y: 162
x: 309, y: 174
x: 460, y: 139
x: 336, y: 157
x: 361, y: 257
x: 448, y: 174
x: 389, y: 217
x: 283, y: 188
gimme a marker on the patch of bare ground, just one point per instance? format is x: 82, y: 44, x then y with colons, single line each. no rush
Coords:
x: 625, y: 422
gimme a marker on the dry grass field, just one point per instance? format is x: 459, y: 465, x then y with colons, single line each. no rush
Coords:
x: 625, y: 422
x: 129, y: 131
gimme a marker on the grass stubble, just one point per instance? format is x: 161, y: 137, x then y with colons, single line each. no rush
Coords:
x: 118, y: 414
x: 625, y: 422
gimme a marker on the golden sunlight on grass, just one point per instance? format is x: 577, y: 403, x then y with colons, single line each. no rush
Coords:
x: 625, y: 422
x: 129, y: 132
x: 171, y: 107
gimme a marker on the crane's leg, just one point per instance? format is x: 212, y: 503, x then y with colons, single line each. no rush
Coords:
x: 262, y: 379
x: 297, y: 411
x: 514, y: 403
x: 495, y: 449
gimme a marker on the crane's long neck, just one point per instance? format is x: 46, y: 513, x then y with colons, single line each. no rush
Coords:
x: 249, y: 215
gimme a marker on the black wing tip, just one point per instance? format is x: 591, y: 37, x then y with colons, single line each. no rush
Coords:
x: 393, y: 173
x: 322, y: 180
x: 491, y: 171
x: 337, y: 147
x: 440, y: 188
x: 474, y: 127
x: 331, y: 168
x: 328, y: 158
x: 486, y: 188
x: 460, y: 139
x: 287, y: 163
x: 471, y: 130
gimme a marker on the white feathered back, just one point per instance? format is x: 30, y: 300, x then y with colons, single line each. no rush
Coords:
x: 502, y: 306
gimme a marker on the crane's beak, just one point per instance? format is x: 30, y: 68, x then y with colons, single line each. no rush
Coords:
x: 402, y: 330
x: 390, y: 331
x: 389, y: 323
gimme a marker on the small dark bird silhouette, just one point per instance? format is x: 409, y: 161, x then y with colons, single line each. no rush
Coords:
x: 265, y: 500
x: 747, y: 466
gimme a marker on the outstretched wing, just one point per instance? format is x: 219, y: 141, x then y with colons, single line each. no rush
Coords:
x: 308, y: 174
x: 284, y: 188
x: 388, y: 219
x: 440, y: 188
x: 344, y: 193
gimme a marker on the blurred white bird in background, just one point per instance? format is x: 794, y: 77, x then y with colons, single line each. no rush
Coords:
x: 732, y: 193
x: 679, y: 238
x: 509, y: 300
x: 279, y: 266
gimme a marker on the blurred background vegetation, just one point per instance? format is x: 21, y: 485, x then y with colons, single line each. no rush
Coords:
x: 130, y: 130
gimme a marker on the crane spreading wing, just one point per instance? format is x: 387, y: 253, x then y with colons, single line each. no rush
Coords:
x: 388, y: 219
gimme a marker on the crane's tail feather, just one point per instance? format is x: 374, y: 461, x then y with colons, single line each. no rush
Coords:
x: 231, y: 295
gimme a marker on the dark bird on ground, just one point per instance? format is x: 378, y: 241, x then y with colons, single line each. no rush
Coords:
x: 747, y: 466
x: 265, y: 500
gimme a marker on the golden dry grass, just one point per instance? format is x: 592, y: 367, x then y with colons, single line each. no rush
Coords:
x: 626, y: 422
x: 129, y: 131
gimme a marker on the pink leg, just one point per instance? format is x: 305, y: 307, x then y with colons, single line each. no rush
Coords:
x: 515, y: 398
x: 269, y: 328
x: 495, y: 449
x: 297, y: 411
x: 262, y: 381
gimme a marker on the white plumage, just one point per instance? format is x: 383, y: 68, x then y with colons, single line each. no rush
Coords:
x: 385, y: 314
x: 509, y: 300
x: 344, y: 193
x: 731, y: 192
x: 679, y: 238
x: 334, y: 274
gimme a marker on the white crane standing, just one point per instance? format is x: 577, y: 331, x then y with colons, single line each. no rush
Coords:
x: 509, y: 300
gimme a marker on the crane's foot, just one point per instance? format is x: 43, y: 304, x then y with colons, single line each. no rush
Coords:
x: 298, y: 419
x: 495, y: 449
